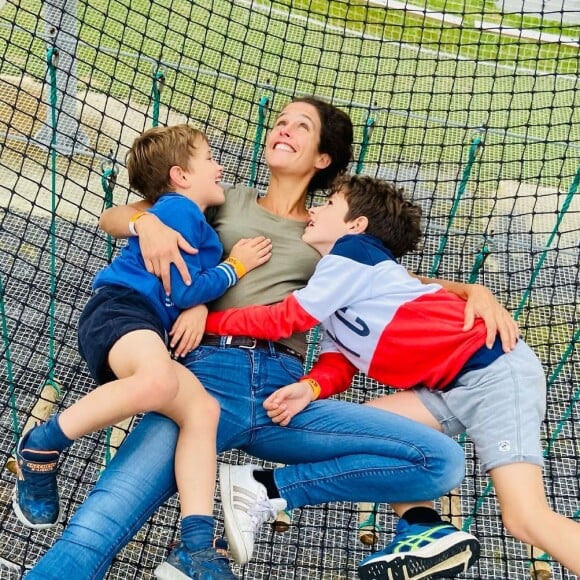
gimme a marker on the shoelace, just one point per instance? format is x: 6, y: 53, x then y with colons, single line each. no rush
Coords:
x: 261, y: 511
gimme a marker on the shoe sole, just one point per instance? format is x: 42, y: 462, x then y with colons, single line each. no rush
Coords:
x: 234, y: 534
x: 25, y: 521
x: 166, y: 571
x: 453, y: 560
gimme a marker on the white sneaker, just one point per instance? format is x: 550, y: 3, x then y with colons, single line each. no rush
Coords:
x: 246, y: 507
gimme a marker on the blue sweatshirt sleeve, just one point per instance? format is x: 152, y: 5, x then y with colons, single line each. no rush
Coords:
x: 210, y: 276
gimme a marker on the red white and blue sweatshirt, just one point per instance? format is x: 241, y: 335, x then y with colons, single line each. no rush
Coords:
x: 376, y: 318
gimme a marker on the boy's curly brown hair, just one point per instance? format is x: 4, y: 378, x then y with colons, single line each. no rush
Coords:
x: 392, y: 218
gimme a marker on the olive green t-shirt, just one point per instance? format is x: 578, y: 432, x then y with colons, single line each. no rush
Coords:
x: 292, y: 263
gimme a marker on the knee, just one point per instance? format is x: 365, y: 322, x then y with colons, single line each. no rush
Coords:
x: 519, y: 526
x: 450, y: 469
x: 158, y: 388
x: 209, y: 409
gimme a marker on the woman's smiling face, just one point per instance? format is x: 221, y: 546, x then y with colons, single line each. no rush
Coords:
x: 292, y: 144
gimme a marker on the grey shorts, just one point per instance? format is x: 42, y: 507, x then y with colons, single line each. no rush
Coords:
x: 501, y: 407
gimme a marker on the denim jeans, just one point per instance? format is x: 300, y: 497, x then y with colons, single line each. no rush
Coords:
x: 334, y: 451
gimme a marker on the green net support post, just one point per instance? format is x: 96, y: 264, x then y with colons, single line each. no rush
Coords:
x: 156, y: 90
x: 367, y: 132
x: 479, y: 261
x: 368, y: 527
x: 109, y: 172
x: 474, y: 148
x: 262, y: 108
x: 565, y: 206
x: 52, y: 61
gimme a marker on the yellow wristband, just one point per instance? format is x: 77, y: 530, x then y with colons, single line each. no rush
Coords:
x: 237, y: 265
x: 316, y: 388
x: 132, y: 221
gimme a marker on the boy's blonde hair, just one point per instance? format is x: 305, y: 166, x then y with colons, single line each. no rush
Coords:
x: 155, y: 152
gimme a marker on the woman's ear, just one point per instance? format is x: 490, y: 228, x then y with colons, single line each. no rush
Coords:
x: 324, y: 160
x: 359, y: 225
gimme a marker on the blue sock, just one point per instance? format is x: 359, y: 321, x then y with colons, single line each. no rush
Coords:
x: 197, y: 532
x: 48, y: 436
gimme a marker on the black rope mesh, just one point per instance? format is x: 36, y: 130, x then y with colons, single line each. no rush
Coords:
x: 421, y: 82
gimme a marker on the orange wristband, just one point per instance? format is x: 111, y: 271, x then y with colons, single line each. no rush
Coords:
x: 133, y: 220
x: 237, y: 265
x: 316, y: 388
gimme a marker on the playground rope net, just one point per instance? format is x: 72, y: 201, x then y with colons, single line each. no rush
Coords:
x: 474, y: 110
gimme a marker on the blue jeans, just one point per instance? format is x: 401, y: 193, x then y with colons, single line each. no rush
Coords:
x: 334, y: 450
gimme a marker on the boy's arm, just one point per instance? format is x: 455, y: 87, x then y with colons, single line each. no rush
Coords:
x: 210, y: 283
x: 160, y: 245
x: 331, y: 374
x: 209, y: 280
x: 332, y: 369
x: 271, y: 322
x: 481, y: 303
x: 206, y: 285
x: 335, y: 284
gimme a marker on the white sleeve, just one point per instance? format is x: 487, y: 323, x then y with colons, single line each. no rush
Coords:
x: 337, y: 282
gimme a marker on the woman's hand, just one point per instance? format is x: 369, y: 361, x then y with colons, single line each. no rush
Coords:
x: 187, y: 331
x: 483, y: 304
x: 288, y: 401
x: 160, y: 247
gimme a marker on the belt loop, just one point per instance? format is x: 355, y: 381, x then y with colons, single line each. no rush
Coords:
x: 225, y: 340
x: 272, y: 348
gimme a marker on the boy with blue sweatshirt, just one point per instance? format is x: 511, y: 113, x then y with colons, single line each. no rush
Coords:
x: 123, y: 337
x: 379, y: 319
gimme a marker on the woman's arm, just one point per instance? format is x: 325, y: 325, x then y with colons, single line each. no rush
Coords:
x: 481, y: 303
x: 115, y: 220
x: 160, y: 245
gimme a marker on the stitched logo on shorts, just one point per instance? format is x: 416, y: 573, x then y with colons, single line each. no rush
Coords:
x: 504, y: 446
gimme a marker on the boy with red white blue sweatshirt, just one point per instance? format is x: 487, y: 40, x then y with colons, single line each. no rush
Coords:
x: 123, y: 336
x: 379, y: 319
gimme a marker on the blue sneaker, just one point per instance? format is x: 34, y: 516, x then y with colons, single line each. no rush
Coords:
x: 35, y: 501
x: 182, y: 564
x: 422, y: 551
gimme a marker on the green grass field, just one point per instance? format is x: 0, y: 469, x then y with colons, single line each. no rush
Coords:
x: 429, y: 87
